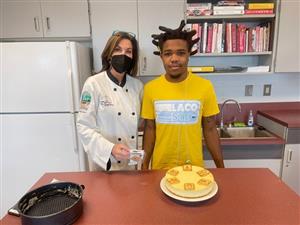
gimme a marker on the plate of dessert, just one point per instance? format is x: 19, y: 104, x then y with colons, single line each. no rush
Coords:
x: 189, y: 183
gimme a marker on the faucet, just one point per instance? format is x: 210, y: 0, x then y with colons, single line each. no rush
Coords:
x: 222, y: 109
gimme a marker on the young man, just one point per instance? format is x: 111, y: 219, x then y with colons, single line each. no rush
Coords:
x: 178, y: 107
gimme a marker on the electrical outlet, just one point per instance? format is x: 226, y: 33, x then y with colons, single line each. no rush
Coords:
x: 248, y: 90
x: 267, y: 89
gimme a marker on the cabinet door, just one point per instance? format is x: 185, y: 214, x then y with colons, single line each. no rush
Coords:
x: 66, y: 18
x: 108, y: 16
x: 291, y: 166
x: 272, y: 164
x: 152, y: 14
x: 21, y: 19
x: 288, y: 45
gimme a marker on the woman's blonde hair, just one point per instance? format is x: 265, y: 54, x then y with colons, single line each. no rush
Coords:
x: 112, y: 43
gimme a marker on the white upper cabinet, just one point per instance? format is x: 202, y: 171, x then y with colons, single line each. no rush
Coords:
x: 104, y: 22
x: 152, y: 14
x: 45, y: 18
x: 21, y: 19
x: 68, y: 18
x: 288, y: 43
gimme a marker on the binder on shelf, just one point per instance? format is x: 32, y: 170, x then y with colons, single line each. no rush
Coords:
x: 261, y: 5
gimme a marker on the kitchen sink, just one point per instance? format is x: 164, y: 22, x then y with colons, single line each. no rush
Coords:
x: 244, y: 132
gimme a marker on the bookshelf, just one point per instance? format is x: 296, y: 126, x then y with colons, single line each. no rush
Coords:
x: 255, y: 33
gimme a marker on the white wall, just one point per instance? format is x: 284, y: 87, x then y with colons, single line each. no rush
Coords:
x: 285, y: 87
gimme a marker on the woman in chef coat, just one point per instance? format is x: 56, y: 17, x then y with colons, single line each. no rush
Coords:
x: 110, y: 106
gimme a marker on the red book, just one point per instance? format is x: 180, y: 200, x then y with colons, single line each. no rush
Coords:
x: 258, y: 11
x: 228, y: 37
x: 242, y: 38
x: 195, y: 27
x: 257, y: 37
x: 233, y: 37
x: 209, y: 38
x: 200, y: 36
x: 250, y: 39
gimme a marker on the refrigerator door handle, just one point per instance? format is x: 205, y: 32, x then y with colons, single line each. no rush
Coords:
x: 74, y: 134
x: 289, y: 156
x: 70, y: 77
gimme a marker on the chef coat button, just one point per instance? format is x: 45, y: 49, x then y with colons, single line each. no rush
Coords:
x: 126, y: 90
x: 119, y: 139
x: 115, y: 89
x: 132, y: 137
x: 133, y: 113
x: 119, y: 113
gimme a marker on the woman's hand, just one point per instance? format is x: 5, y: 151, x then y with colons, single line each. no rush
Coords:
x: 120, y: 152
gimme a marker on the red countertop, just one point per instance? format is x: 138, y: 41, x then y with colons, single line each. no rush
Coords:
x: 288, y: 118
x: 245, y: 196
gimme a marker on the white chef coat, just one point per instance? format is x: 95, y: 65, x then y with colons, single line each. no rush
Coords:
x: 109, y: 114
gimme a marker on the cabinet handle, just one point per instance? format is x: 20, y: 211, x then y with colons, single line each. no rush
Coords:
x: 36, y: 24
x: 289, y: 156
x: 145, y: 64
x: 48, y: 23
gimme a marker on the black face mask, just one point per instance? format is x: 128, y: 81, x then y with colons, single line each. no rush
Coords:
x: 121, y: 63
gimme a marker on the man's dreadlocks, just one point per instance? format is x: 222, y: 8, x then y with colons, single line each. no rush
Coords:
x: 179, y: 33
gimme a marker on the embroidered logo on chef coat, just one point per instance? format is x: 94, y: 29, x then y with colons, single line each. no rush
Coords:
x: 85, y: 100
x: 177, y: 111
x: 106, y: 101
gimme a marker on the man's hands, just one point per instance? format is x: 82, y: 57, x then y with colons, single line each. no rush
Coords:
x: 120, y: 151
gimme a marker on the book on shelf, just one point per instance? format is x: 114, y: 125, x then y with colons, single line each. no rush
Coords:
x: 219, y: 38
x: 231, y: 2
x: 223, y: 36
x: 258, y: 11
x: 232, y: 37
x: 251, y: 39
x: 214, y: 38
x: 204, y: 37
x: 201, y: 69
x: 265, y: 5
x: 199, y: 9
x: 228, y: 12
x: 256, y: 69
x: 241, y: 34
x: 209, y: 38
x: 228, y: 41
x: 228, y: 8
x: 195, y: 27
x: 247, y: 40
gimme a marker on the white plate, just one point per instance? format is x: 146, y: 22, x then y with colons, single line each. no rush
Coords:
x: 203, y: 198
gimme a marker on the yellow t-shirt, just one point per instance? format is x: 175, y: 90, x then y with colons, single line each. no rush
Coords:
x: 178, y: 109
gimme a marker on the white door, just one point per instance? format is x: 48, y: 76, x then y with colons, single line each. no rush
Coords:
x: 31, y: 145
x: 66, y: 18
x: 152, y: 14
x: 291, y: 166
x: 108, y: 16
x: 35, y: 77
x: 21, y: 19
